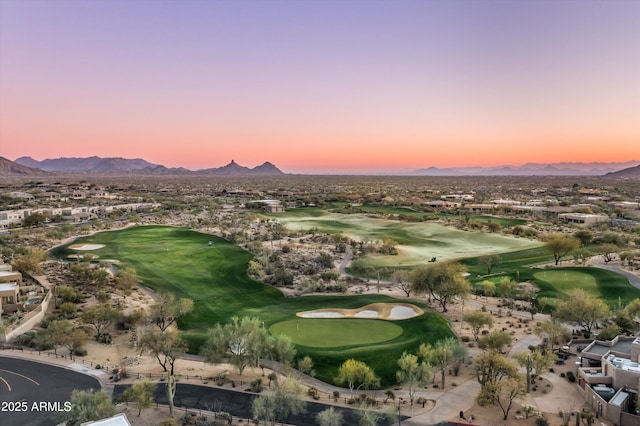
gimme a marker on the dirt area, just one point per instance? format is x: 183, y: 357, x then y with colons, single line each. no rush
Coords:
x: 123, y: 353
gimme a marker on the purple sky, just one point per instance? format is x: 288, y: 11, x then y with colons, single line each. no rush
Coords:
x: 321, y: 85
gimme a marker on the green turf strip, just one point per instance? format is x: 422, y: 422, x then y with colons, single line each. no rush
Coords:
x: 333, y: 333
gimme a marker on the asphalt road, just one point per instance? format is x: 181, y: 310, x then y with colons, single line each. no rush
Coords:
x: 34, y: 394
x: 239, y: 403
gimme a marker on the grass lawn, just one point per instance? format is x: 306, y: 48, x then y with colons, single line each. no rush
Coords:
x: 336, y: 333
x: 180, y: 261
x: 611, y: 287
x: 418, y: 242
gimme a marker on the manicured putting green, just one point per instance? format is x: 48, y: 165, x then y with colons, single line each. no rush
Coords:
x: 333, y: 333
x: 565, y: 281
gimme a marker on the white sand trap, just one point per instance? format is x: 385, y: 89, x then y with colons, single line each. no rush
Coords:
x: 321, y: 314
x: 402, y: 312
x: 367, y: 314
x: 86, y: 247
x: 385, y: 311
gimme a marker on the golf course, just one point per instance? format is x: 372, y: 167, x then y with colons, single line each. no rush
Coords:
x: 181, y: 261
x: 418, y: 242
x: 332, y: 328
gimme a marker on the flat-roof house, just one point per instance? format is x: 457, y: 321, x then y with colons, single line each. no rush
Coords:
x: 609, y: 375
x: 9, y: 297
x: 583, y: 219
x: 10, y: 276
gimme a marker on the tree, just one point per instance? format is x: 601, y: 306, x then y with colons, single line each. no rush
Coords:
x: 413, y: 373
x: 244, y: 341
x: 329, y: 417
x: 141, y: 394
x: 585, y: 237
x: 488, y: 288
x: 552, y: 332
x: 508, y: 287
x: 609, y: 332
x: 371, y: 417
x: 582, y: 310
x: 477, y: 320
x: 625, y: 321
x: 88, y: 405
x: 559, y: 245
x: 167, y: 347
x: 489, y: 261
x: 305, y: 365
x: 126, y: 278
x: 608, y: 251
x: 74, y: 340
x: 100, y: 276
x: 633, y: 308
x: 401, y: 279
x: 58, y: 330
x: 355, y: 374
x: 34, y: 220
x: 442, y: 354
x: 505, y: 394
x: 444, y: 282
x: 278, y: 404
x: 491, y: 368
x: 168, y: 309
x: 28, y: 262
x: 494, y: 341
x: 324, y: 260
x: 536, y: 360
x: 101, y: 317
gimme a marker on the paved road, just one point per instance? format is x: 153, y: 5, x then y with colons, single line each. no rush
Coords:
x: 26, y: 387
x: 634, y: 280
x: 239, y: 403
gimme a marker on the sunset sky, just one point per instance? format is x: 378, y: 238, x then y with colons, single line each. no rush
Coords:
x: 321, y: 86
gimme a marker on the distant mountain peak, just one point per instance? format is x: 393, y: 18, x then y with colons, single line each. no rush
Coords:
x: 8, y: 167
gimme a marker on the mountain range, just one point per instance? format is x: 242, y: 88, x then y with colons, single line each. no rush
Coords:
x: 115, y: 165
x: 631, y: 172
x: 118, y: 165
x: 530, y: 169
x: 8, y: 167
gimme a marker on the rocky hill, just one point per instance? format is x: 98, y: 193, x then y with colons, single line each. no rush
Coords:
x: 631, y: 173
x: 8, y: 167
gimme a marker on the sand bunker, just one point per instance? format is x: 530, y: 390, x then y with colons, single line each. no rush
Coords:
x: 386, y: 311
x: 321, y: 314
x: 81, y: 257
x: 86, y: 247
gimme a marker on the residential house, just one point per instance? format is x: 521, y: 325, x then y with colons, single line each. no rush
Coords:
x: 609, y: 375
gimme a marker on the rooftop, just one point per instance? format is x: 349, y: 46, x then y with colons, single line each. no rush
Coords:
x: 618, y: 345
x: 8, y: 287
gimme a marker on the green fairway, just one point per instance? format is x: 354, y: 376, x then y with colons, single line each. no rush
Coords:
x: 564, y: 280
x: 334, y: 333
x: 417, y: 242
x: 611, y: 287
x: 180, y: 261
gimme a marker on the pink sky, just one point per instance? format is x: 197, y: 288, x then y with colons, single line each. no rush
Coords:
x: 321, y: 86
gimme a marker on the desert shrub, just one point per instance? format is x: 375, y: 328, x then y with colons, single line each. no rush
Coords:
x: 541, y: 421
x: 25, y: 339
x: 256, y: 385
